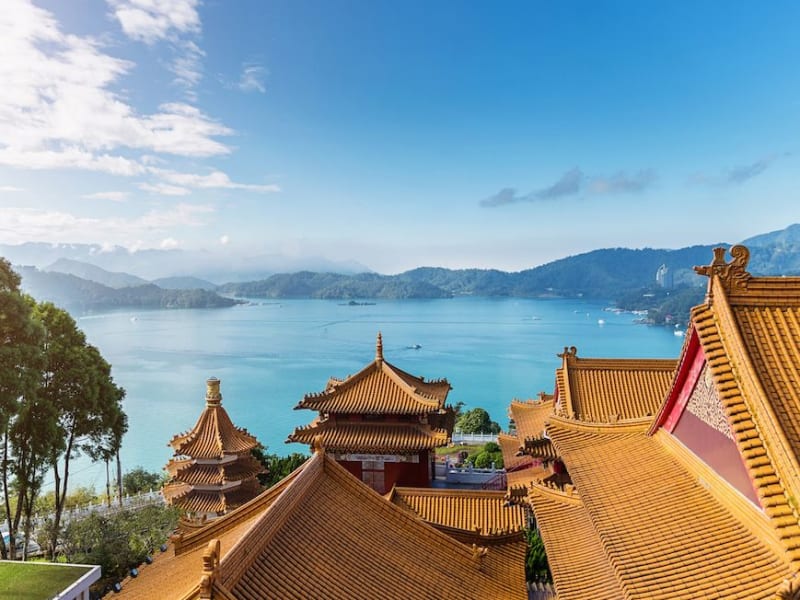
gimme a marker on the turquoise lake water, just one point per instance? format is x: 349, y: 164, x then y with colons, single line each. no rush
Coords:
x: 268, y: 355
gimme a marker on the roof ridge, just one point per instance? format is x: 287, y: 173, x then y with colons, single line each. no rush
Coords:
x: 568, y: 495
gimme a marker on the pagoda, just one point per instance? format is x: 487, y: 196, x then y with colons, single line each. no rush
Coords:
x: 381, y: 424
x: 213, y: 470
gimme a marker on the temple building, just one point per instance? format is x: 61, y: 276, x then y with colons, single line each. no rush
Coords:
x: 682, y: 480
x: 322, y: 533
x: 212, y: 470
x: 382, y: 424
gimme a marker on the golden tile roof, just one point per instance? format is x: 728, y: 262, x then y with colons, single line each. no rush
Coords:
x: 371, y: 437
x: 191, y: 500
x: 467, y: 510
x: 609, y: 390
x: 578, y: 562
x: 380, y: 388
x: 188, y: 471
x: 513, y: 458
x: 663, y: 533
x: 214, y: 435
x: 749, y: 330
x: 530, y: 415
x: 317, y: 539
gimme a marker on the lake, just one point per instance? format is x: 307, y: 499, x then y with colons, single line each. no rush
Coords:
x: 269, y: 354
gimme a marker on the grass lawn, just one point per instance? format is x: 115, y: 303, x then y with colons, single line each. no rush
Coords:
x: 36, y: 580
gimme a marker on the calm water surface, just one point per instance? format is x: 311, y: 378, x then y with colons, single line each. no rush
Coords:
x: 268, y: 355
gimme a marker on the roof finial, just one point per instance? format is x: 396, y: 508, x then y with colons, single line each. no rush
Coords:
x: 732, y: 275
x: 569, y: 351
x: 379, y: 347
x: 213, y: 397
x: 317, y: 444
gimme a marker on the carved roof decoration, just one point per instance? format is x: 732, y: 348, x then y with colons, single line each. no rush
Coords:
x: 733, y: 276
x: 380, y: 388
x: 371, y: 437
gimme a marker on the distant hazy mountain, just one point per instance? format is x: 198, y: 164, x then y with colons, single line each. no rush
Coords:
x: 775, y: 253
x: 184, y: 283
x: 80, y: 295
x: 154, y: 264
x: 95, y: 273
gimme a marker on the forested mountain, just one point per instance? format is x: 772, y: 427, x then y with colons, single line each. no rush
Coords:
x: 76, y: 294
x: 93, y: 273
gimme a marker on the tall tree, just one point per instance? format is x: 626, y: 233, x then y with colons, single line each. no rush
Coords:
x: 19, y: 365
x: 88, y: 404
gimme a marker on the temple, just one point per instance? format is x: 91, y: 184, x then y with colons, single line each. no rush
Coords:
x: 681, y: 477
x: 212, y: 470
x: 322, y: 533
x: 381, y: 424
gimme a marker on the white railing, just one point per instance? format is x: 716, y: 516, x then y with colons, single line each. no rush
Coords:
x: 473, y: 438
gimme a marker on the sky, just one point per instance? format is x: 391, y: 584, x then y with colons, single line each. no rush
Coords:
x: 398, y: 134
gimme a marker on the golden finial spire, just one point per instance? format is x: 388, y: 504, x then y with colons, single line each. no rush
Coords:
x: 213, y: 397
x: 379, y: 347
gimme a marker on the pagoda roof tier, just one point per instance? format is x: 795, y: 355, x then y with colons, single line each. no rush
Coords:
x: 191, y: 500
x: 371, y: 437
x: 513, y: 457
x: 214, y: 435
x: 192, y: 473
x: 315, y: 538
x: 530, y: 415
x: 608, y: 390
x: 484, y: 511
x: 380, y: 388
x: 663, y: 532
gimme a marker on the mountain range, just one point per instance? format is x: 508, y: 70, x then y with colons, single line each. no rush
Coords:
x: 609, y: 273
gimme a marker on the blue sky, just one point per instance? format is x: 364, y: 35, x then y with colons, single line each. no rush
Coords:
x: 397, y: 134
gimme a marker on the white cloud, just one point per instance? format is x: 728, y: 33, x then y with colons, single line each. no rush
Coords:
x: 224, y: 240
x: 214, y: 180
x: 58, y: 108
x: 10, y: 189
x: 23, y: 224
x: 113, y: 196
x: 151, y: 20
x: 253, y: 78
x: 187, y: 67
x: 168, y: 244
x: 164, y: 189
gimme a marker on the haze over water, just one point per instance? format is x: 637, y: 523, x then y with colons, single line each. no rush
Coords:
x: 269, y: 354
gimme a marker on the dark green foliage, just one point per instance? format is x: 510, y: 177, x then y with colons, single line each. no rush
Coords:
x: 120, y: 540
x: 277, y: 466
x: 139, y: 480
x: 536, y: 567
x: 664, y: 306
x: 476, y: 420
x: 490, y: 453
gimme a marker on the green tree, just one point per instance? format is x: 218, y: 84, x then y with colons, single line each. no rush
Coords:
x: 476, y: 420
x: 490, y: 453
x: 20, y: 361
x: 77, y: 381
x: 139, y: 480
x: 277, y: 467
x: 536, y: 567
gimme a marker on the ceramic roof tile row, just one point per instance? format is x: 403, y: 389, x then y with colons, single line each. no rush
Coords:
x: 462, y: 509
x: 191, y: 500
x: 751, y: 340
x: 371, y: 437
x: 319, y: 540
x: 607, y: 390
x: 513, y: 458
x: 575, y: 553
x: 195, y: 474
x: 380, y: 388
x: 213, y: 436
x: 665, y: 536
x: 530, y: 415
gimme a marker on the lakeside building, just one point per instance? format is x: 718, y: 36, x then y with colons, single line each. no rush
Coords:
x: 381, y: 424
x: 681, y: 485
x: 213, y: 470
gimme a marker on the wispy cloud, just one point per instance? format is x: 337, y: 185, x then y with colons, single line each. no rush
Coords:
x: 738, y: 174
x: 572, y: 183
x: 20, y: 224
x: 187, y: 66
x: 621, y: 183
x: 149, y: 21
x: 113, y: 196
x: 58, y: 109
x: 253, y: 78
x: 213, y: 180
x: 164, y: 189
x: 10, y: 189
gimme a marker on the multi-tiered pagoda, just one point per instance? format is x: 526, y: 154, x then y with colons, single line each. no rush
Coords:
x: 213, y: 470
x: 382, y: 424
